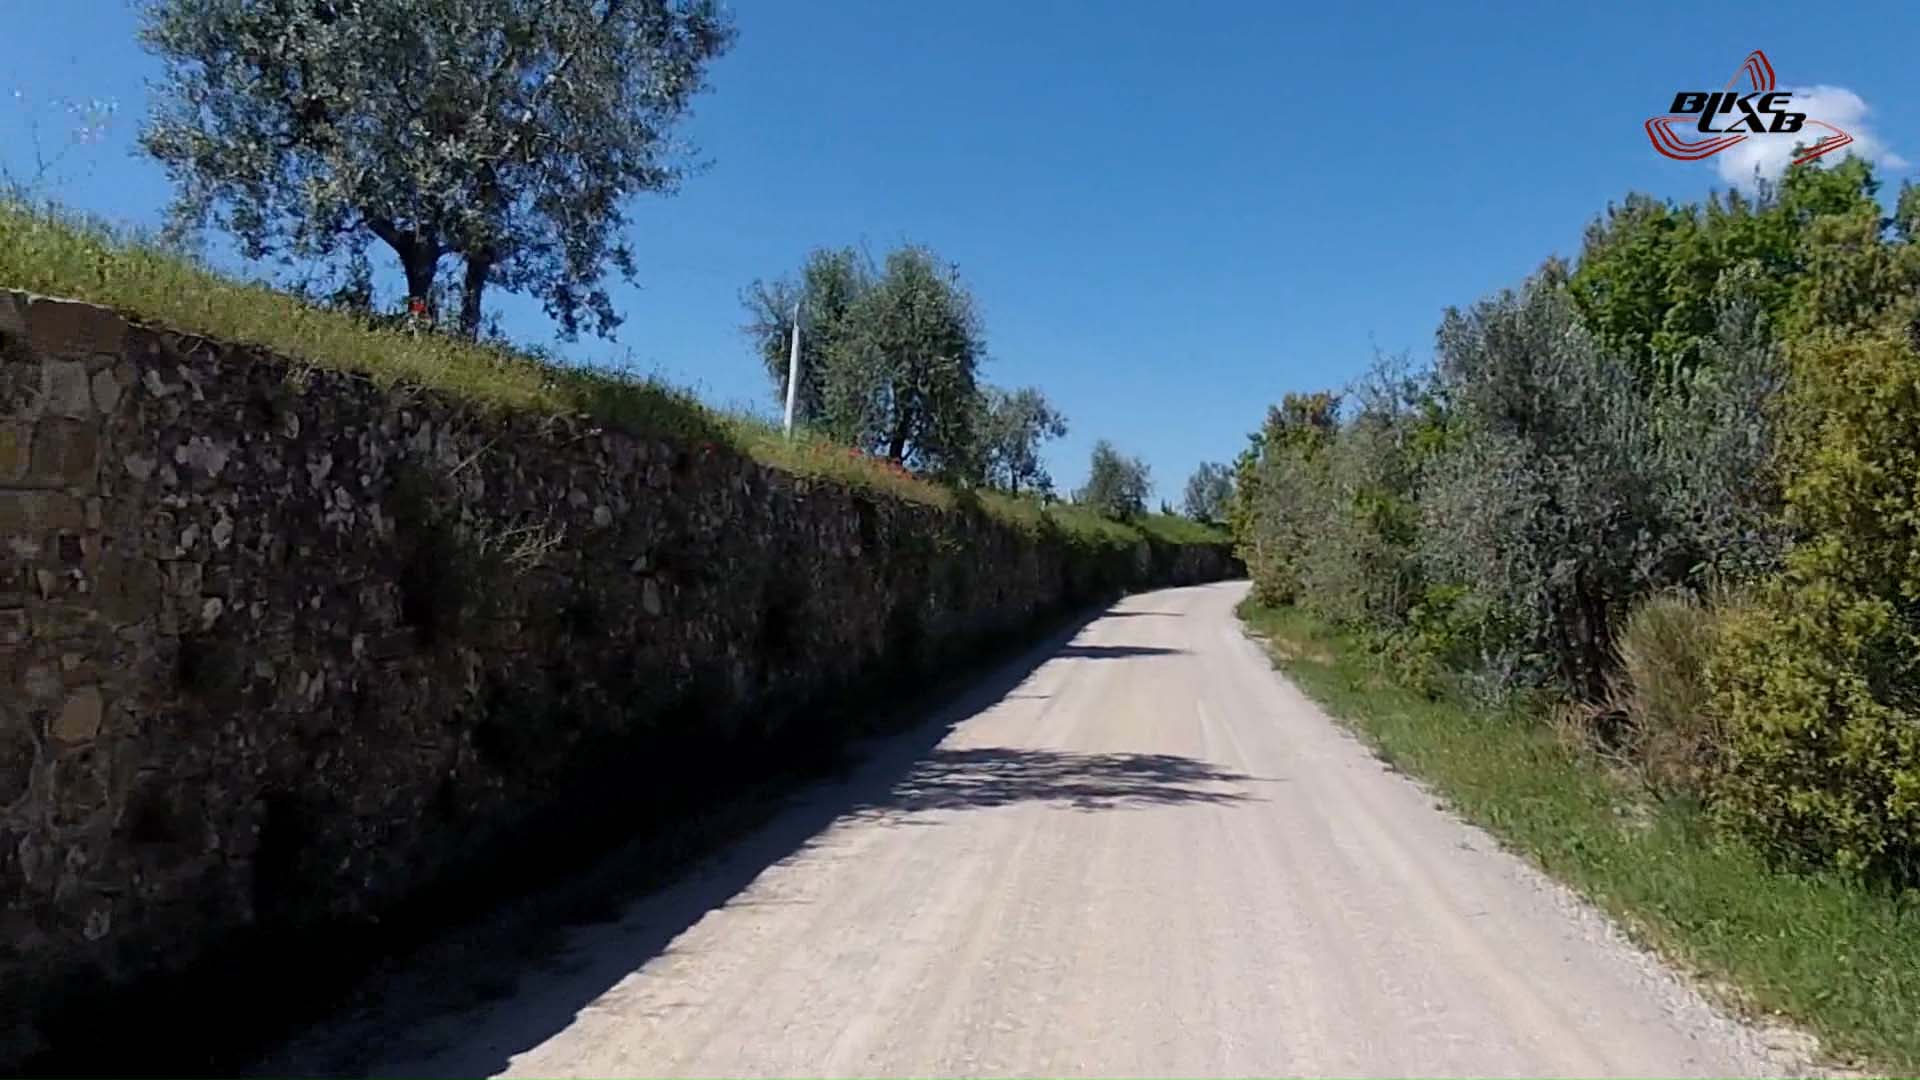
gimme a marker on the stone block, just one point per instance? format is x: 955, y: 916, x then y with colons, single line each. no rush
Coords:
x: 183, y: 578
x: 13, y: 318
x: 65, y: 389
x: 65, y: 453
x: 16, y: 444
x: 33, y: 514
x: 64, y: 621
x: 79, y: 717
x: 68, y: 330
x: 106, y: 390
x: 40, y: 683
x: 20, y: 388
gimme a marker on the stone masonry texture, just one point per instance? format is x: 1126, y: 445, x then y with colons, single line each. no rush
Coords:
x: 280, y: 648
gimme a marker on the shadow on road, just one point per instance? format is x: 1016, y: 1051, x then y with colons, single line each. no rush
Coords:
x: 999, y: 775
x: 1115, y: 652
x: 429, y: 1021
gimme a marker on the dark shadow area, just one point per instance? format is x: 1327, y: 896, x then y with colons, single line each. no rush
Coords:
x: 999, y: 775
x: 1116, y: 652
x: 508, y: 966
x: 1142, y: 614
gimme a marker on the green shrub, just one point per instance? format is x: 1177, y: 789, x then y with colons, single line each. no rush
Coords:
x: 1668, y: 733
x: 1819, y: 685
x: 1454, y: 639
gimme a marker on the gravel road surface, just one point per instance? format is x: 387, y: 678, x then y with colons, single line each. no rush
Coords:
x: 1140, y: 851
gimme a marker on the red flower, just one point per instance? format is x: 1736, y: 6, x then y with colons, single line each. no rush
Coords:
x: 416, y: 307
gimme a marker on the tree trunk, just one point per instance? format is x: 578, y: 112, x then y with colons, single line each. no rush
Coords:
x: 420, y: 272
x: 419, y: 259
x: 478, y: 266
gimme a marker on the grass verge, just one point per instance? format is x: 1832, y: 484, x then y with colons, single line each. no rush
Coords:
x: 1834, y: 957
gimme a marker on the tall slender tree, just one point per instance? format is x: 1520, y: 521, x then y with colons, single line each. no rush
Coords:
x: 1014, y: 423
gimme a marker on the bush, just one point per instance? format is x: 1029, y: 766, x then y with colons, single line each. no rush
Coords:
x: 1819, y: 685
x: 1668, y: 733
x: 1455, y: 639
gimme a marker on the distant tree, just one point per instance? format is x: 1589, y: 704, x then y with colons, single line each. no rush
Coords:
x: 1209, y: 491
x: 504, y: 135
x: 1013, y: 425
x: 1116, y: 486
x: 893, y: 358
x: 828, y: 286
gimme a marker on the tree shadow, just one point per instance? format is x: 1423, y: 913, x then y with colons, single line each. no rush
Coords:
x: 1115, y: 652
x: 984, y: 777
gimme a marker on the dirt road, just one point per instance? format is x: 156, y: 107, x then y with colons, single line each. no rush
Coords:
x: 1147, y: 855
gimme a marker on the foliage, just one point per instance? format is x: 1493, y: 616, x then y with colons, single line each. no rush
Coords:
x: 1505, y: 509
x: 1648, y: 274
x: 1209, y: 491
x: 1243, y: 505
x: 1277, y: 484
x: 1116, y: 485
x: 890, y: 356
x: 1454, y: 639
x: 1012, y: 425
x: 1819, y: 685
x: 829, y: 284
x: 1567, y: 497
x: 1719, y: 395
x: 1667, y: 730
x: 1174, y: 529
x: 504, y: 134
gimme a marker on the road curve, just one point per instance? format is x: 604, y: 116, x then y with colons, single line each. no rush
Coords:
x: 1147, y: 855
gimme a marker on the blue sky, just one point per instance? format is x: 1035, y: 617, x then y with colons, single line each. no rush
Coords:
x: 1170, y: 215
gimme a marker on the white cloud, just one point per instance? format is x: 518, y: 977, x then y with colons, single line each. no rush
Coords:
x: 1769, y: 155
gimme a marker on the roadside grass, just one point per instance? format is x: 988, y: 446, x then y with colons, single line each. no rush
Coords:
x: 1840, y: 959
x: 1175, y: 529
x: 50, y: 251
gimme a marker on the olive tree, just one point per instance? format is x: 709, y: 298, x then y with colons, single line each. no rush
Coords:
x: 827, y: 287
x: 502, y: 136
x: 1209, y: 490
x: 1117, y: 485
x: 900, y: 375
x: 889, y: 354
x: 1013, y: 425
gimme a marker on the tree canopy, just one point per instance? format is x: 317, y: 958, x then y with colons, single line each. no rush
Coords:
x: 1209, y: 490
x: 1013, y: 425
x: 890, y: 355
x: 1117, y: 485
x: 502, y: 135
x: 829, y: 284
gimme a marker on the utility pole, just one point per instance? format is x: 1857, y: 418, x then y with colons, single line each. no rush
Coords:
x: 793, y: 369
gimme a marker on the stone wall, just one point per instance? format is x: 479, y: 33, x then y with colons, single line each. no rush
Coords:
x: 281, y: 649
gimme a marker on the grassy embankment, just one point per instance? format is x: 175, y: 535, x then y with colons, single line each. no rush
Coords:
x: 1839, y: 959
x: 54, y: 254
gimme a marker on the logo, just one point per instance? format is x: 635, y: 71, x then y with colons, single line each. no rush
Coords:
x: 1727, y: 117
